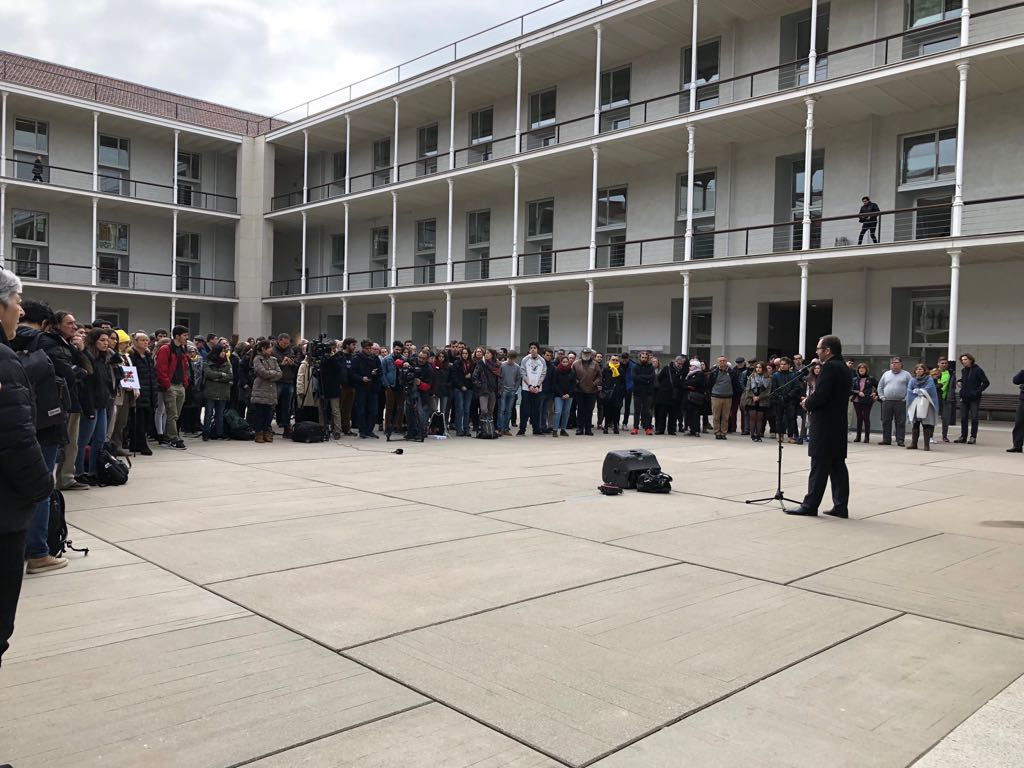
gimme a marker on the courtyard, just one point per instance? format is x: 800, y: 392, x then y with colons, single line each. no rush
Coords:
x: 472, y: 603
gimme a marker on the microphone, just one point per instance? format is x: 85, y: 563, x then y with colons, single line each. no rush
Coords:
x: 807, y: 368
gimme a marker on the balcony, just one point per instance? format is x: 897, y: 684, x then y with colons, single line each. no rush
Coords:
x: 124, y: 186
x: 40, y: 273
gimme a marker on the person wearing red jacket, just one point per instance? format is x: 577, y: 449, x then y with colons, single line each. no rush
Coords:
x: 172, y: 378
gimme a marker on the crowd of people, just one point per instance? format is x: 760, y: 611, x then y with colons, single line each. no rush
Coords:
x: 71, y: 392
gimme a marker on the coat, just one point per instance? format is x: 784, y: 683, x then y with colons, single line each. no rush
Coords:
x: 669, y: 385
x: 747, y: 400
x: 485, y: 381
x: 564, y: 381
x: 613, y: 388
x: 335, y: 375
x: 288, y: 372
x: 923, y: 402
x: 167, y: 360
x: 588, y: 376
x: 305, y: 387
x: 217, y: 378
x: 973, y: 382
x: 264, y: 385
x: 146, y: 369
x: 643, y: 378
x: 870, y: 385
x: 827, y: 409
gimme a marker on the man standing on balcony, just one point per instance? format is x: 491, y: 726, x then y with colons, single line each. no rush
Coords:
x: 37, y: 169
x: 287, y: 359
x: 172, y: 366
x: 868, y: 219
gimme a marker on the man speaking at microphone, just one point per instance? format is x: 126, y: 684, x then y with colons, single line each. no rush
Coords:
x: 826, y: 408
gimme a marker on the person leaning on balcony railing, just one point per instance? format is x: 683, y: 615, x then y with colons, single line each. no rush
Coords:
x: 38, y: 168
x: 868, y: 219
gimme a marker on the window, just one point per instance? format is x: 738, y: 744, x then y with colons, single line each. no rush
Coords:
x: 928, y: 158
x: 189, y: 169
x: 933, y: 217
x: 338, y: 251
x: 616, y: 317
x: 31, y: 141
x: 797, y: 200
x: 113, y: 161
x: 704, y: 188
x: 426, y: 150
x: 426, y: 251
x: 186, y: 262
x: 926, y: 31
x: 481, y: 133
x: 380, y: 242
x: 118, y: 318
x: 795, y: 47
x: 478, y: 245
x: 339, y: 162
x: 540, y: 227
x: 700, y: 329
x: 611, y: 208
x: 112, y: 253
x: 704, y: 198
x: 707, y: 72
x: 922, y: 12
x: 929, y: 321
x: 381, y: 162
x: 615, y: 99
x: 29, y: 241
x: 543, y: 132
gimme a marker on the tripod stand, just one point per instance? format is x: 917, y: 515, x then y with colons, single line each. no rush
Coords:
x: 777, y: 400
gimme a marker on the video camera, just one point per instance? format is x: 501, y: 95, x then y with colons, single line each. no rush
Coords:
x: 317, y: 350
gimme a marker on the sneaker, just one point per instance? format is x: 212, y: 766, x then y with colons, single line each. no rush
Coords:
x: 178, y: 444
x: 634, y: 431
x: 971, y: 441
x: 45, y: 564
x: 648, y: 431
x: 75, y: 486
x: 554, y: 434
x: 563, y: 433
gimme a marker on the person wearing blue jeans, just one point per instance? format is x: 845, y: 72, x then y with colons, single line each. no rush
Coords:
x: 506, y: 402
x: 36, y: 545
x: 91, y: 432
x: 461, y: 401
x: 510, y: 379
x: 287, y: 359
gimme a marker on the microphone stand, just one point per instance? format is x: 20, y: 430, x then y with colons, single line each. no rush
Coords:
x: 777, y: 401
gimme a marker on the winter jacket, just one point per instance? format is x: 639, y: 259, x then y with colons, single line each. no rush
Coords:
x: 365, y: 366
x: 24, y: 480
x: 461, y: 369
x: 696, y: 387
x: 548, y: 387
x: 973, y: 382
x: 922, y: 391
x: 168, y: 359
x: 264, y: 386
x: 335, y: 375
x: 389, y: 370
x: 218, y: 379
x: 613, y: 388
x: 305, y: 387
x: 442, y: 380
x: 100, y: 383
x: 588, y: 376
x: 643, y: 378
x: 148, y: 390
x: 66, y: 362
x: 288, y: 372
x: 759, y: 387
x: 870, y: 385
x: 669, y: 385
x: 1019, y: 381
x: 485, y: 379
x: 564, y: 381
x: 50, y: 399
x: 734, y: 382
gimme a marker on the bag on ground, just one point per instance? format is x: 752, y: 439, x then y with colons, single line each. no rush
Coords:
x: 307, y: 432
x: 486, y: 431
x: 57, y: 537
x: 651, y: 481
x: 237, y: 427
x: 111, y: 470
x: 437, y: 425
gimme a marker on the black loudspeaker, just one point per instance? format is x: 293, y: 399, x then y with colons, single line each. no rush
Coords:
x: 622, y: 467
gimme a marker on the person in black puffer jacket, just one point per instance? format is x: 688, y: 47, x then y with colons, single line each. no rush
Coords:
x: 442, y: 384
x: 643, y: 393
x: 100, y: 391
x: 145, y: 402
x: 24, y: 477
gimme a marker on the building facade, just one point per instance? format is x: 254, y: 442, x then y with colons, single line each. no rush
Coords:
x: 649, y: 174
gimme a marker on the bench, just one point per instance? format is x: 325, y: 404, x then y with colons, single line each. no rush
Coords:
x: 992, y: 404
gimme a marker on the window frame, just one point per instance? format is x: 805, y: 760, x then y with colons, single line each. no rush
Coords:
x: 936, y: 180
x: 946, y: 14
x: 534, y: 215
x: 610, y: 104
x: 683, y: 182
x: 474, y: 117
x: 702, y: 85
x: 421, y: 226
x: 923, y: 296
x: 194, y: 158
x: 542, y: 122
x: 605, y: 194
x: 338, y: 253
x: 473, y: 217
x: 380, y: 235
x: 35, y: 148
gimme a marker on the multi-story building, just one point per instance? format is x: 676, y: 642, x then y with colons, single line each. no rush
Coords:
x: 661, y: 174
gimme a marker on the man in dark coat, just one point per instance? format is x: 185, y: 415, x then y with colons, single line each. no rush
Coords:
x: 827, y: 409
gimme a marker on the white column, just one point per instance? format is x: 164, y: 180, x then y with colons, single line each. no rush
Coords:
x: 685, y: 344
x: 515, y: 220
x: 174, y: 250
x: 394, y: 147
x: 805, y: 245
x: 3, y: 219
x: 305, y: 166
x: 93, y: 244
x: 348, y: 158
x: 812, y: 56
x: 965, y: 33
x: 95, y: 153
x: 393, y: 337
x: 3, y: 134
x: 690, y: 156
x: 174, y: 311
x: 512, y: 318
x: 451, y: 233
x: 344, y: 318
x: 92, y: 308
x: 693, y: 64
x: 954, y: 304
x: 344, y: 269
x: 174, y: 170
x: 447, y: 316
x: 802, y: 344
x: 590, y: 313
x: 451, y: 129
x: 519, y: 99
x: 961, y: 136
x: 593, y: 212
x: 393, y: 237
x: 303, y: 273
x: 302, y: 320
x: 597, y: 83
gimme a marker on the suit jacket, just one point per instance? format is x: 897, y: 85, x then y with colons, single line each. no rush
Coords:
x: 827, y: 408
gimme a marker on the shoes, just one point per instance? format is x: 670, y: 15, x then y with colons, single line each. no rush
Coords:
x: 719, y: 437
x: 260, y: 438
x: 206, y: 438
x: 911, y: 447
x: 802, y: 511
x: 589, y: 432
x: 971, y: 441
x: 374, y: 435
x: 86, y: 479
x: 634, y: 431
x: 835, y: 512
x: 791, y: 440
x: 605, y: 430
x: 945, y: 439
x: 505, y: 433
x: 960, y: 439
x: 757, y: 439
x: 579, y: 431
x: 520, y: 433
x: 884, y: 442
x: 901, y: 444
x: 145, y: 451
x: 563, y: 433
x: 799, y: 441
x: 178, y: 444
x: 77, y: 486
x: 554, y: 433
x: 268, y: 436
x: 1015, y: 450
x: 648, y: 431
x: 45, y: 564
x: 615, y: 429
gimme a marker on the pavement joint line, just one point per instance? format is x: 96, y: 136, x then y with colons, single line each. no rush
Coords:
x: 730, y: 694
x: 911, y: 506
x: 863, y: 557
x: 328, y: 735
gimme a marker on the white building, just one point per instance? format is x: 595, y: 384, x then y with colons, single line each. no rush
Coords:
x: 630, y: 177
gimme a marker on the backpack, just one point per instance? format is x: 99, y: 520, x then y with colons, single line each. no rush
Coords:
x: 57, y: 536
x: 436, y: 425
x: 486, y: 431
x: 51, y: 399
x: 651, y: 481
x: 307, y: 432
x: 110, y: 470
x: 237, y: 427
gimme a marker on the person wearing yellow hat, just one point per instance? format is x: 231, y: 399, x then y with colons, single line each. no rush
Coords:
x: 124, y: 399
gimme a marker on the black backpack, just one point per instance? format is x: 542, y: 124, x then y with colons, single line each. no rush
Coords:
x: 57, y: 537
x: 51, y: 394
x: 111, y: 470
x: 652, y: 481
x: 437, y: 425
x: 486, y: 431
x: 307, y: 432
x: 237, y: 427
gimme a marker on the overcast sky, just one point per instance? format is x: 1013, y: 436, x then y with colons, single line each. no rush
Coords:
x: 262, y: 55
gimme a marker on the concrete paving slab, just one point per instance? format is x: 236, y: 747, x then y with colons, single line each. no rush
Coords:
x: 75, y: 609
x: 355, y: 601
x: 202, y: 697
x: 101, y: 554
x: 998, y: 519
x: 708, y: 480
x: 583, y: 672
x: 774, y: 546
x: 993, y: 485
x: 508, y: 493
x: 879, y: 699
x: 232, y: 553
x: 977, y: 582
x: 866, y: 499
x: 1000, y: 461
x: 432, y: 735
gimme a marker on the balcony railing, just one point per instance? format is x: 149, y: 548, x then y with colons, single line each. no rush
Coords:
x: 988, y: 216
x: 74, y: 178
x: 136, y: 280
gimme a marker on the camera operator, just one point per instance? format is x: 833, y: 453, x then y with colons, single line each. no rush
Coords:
x: 334, y: 374
x: 417, y: 381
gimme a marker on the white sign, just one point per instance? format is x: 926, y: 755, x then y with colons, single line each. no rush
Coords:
x: 131, y: 378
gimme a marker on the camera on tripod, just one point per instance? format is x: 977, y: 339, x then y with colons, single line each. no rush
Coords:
x: 317, y: 350
x: 407, y: 376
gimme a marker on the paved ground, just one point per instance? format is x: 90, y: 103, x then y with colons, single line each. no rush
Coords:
x: 478, y: 604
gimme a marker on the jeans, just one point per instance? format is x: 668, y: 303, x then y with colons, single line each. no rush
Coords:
x: 461, y: 401
x: 627, y: 400
x: 259, y: 417
x: 562, y: 409
x: 894, y: 410
x: 869, y: 227
x: 969, y: 417
x: 285, y: 396
x: 530, y: 411
x: 365, y: 410
x: 91, y: 432
x: 440, y: 405
x: 486, y: 400
x: 506, y: 402
x: 174, y: 401
x: 39, y: 525
x: 215, y: 413
x: 543, y: 403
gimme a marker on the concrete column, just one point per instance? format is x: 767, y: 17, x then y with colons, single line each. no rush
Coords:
x: 344, y: 269
x: 3, y: 134
x: 92, y: 309
x: 174, y: 250
x: 305, y: 166
x: 519, y: 99
x: 447, y: 316
x: 393, y: 236
x: 693, y: 65
x: 174, y: 311
x: 93, y: 243
x: 725, y: 315
x: 593, y: 211
x: 451, y: 233
x: 590, y: 313
x: 394, y: 148
x: 174, y: 169
x: 512, y: 318
x: 3, y: 220
x: 961, y: 141
x: 965, y: 34
x: 303, y: 273
x: 515, y: 220
x: 808, y: 166
x: 685, y: 345
x: 96, y: 153
x: 348, y: 159
x: 302, y: 320
x: 451, y: 129
x: 802, y: 344
x: 690, y: 156
x: 597, y: 83
x: 393, y: 303
x: 344, y: 318
x: 812, y: 56
x: 254, y: 236
x: 954, y: 304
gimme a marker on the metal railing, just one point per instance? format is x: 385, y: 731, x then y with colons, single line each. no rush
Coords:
x: 138, y: 280
x: 74, y: 178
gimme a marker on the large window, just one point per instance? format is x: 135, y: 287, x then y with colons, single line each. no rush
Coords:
x: 797, y: 201
x: 927, y: 32
x: 795, y: 47
x: 381, y: 162
x: 928, y: 158
x: 31, y: 143
x: 426, y: 251
x: 426, y: 150
x: 542, y: 119
x: 380, y: 243
x: 610, y: 234
x: 189, y: 174
x: 615, y: 85
x: 338, y: 252
x: 30, y: 237
x: 112, y: 253
x: 708, y: 73
x: 540, y: 229
x: 704, y: 199
x: 114, y: 165
x: 186, y: 262
x: 481, y: 134
x: 929, y: 321
x: 478, y: 245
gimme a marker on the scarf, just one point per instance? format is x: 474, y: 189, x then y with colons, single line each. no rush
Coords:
x: 761, y: 380
x: 614, y: 368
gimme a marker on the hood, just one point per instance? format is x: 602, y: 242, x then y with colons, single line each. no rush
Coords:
x: 24, y: 337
